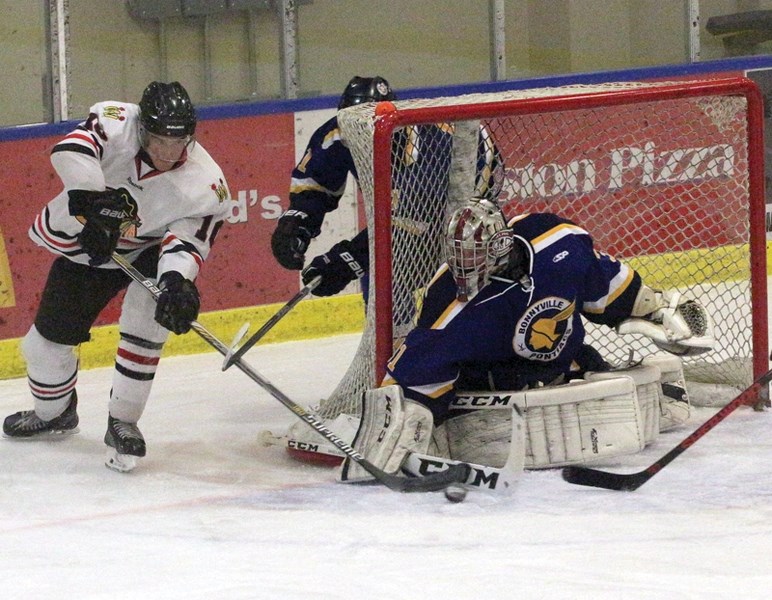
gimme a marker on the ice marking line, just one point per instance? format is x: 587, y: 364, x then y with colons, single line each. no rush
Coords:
x: 213, y: 500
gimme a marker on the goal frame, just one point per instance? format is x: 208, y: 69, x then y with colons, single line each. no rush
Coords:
x: 389, y: 118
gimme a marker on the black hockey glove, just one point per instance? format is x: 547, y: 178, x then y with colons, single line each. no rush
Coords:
x: 105, y: 214
x: 337, y: 269
x: 178, y: 303
x: 290, y: 239
x: 98, y: 241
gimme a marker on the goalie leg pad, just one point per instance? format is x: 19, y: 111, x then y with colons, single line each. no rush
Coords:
x: 575, y: 423
x: 481, y: 437
x: 674, y: 402
x: 439, y: 442
x: 648, y: 390
x: 305, y: 440
x: 583, y: 421
x: 390, y: 428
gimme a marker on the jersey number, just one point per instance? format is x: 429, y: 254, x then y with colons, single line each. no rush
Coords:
x: 203, y: 232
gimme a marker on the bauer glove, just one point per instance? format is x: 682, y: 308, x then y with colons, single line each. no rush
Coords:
x: 105, y: 215
x: 290, y: 239
x: 98, y: 241
x: 337, y: 268
x: 178, y: 304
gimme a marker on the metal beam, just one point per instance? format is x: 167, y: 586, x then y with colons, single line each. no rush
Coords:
x: 288, y: 50
x: 59, y: 32
x: 693, y: 30
x: 498, y: 46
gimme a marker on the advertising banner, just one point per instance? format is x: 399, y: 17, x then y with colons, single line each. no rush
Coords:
x: 257, y: 154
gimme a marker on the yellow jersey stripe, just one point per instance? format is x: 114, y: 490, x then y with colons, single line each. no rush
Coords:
x: 617, y: 286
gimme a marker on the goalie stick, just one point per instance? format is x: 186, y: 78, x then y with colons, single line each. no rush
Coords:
x: 430, y: 483
x: 632, y: 481
x: 231, y: 357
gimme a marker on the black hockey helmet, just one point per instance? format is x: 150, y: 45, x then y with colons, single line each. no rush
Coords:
x: 366, y: 89
x: 166, y: 109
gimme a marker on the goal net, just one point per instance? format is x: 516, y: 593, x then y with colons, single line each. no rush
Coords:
x: 667, y: 176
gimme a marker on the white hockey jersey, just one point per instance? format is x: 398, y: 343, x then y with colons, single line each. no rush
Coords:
x: 181, y: 209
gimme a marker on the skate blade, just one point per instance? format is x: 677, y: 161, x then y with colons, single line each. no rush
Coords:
x: 53, y: 435
x: 122, y: 463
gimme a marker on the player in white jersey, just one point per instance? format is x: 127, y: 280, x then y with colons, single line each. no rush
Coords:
x: 136, y: 182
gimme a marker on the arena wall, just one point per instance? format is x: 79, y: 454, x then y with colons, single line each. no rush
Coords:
x: 257, y: 144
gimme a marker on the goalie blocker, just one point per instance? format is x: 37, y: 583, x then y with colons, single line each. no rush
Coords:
x: 499, y: 433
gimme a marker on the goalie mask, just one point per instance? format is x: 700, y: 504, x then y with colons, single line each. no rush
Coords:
x: 478, y: 244
x: 366, y: 89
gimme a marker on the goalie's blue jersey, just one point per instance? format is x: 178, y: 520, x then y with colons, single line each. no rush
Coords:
x: 514, y: 333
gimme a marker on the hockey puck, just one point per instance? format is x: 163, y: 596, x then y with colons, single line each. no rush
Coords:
x: 455, y: 493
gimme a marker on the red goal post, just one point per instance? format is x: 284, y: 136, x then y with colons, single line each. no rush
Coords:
x: 668, y: 176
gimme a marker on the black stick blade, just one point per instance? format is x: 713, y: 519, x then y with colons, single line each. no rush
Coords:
x: 602, y: 479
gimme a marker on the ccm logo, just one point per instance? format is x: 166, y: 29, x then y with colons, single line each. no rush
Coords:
x: 560, y: 256
x: 386, y: 421
x: 481, y: 477
x: 492, y: 401
x: 302, y: 446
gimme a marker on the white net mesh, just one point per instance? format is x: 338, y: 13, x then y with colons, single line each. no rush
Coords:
x: 661, y: 183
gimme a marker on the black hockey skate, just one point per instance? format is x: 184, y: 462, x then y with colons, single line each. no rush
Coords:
x: 125, y: 445
x: 26, y: 423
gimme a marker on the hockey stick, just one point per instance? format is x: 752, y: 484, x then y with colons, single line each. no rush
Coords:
x: 483, y: 477
x: 430, y: 483
x: 632, y: 481
x: 232, y: 356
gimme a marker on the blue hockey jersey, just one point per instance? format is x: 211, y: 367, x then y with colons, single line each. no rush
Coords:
x: 420, y: 153
x: 514, y: 334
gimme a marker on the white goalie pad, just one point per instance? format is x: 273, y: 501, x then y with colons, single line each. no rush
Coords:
x: 481, y: 475
x: 580, y: 422
x: 648, y: 390
x: 661, y: 389
x: 681, y: 327
x: 484, y: 437
x: 391, y: 427
x: 674, y: 402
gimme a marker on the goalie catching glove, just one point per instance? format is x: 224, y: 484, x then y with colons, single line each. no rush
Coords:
x: 178, y: 304
x: 681, y: 327
x: 104, y: 216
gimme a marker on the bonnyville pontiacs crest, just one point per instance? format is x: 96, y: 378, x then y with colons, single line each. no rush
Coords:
x: 543, y: 331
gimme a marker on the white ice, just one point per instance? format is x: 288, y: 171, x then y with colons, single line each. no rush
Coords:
x: 213, y: 513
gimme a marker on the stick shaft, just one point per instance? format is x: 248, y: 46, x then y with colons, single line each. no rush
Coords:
x: 433, y: 482
x: 268, y: 325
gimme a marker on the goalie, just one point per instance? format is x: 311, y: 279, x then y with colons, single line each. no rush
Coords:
x: 505, y: 313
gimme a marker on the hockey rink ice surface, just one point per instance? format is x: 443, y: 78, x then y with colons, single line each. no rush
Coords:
x: 213, y: 513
